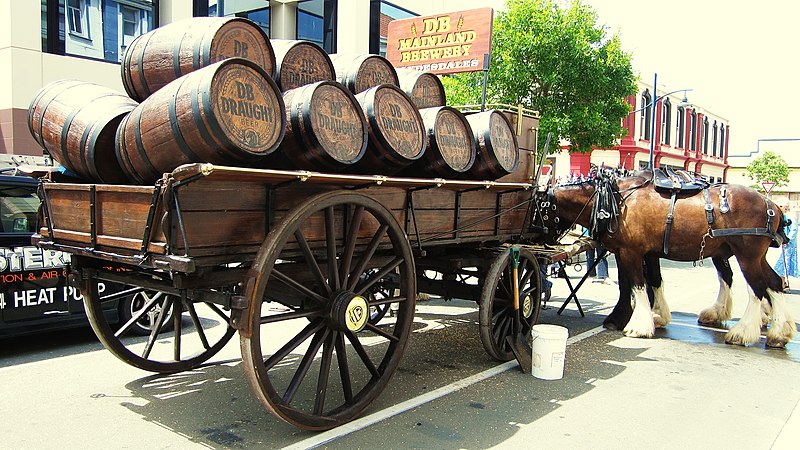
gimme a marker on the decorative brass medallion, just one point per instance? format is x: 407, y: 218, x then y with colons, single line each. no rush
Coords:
x: 356, y: 314
x: 527, y: 306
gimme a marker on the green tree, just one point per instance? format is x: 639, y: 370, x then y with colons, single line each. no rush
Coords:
x: 768, y: 167
x: 558, y: 62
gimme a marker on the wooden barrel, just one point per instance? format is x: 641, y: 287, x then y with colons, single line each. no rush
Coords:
x: 230, y: 112
x: 450, y: 151
x: 396, y: 131
x: 166, y: 53
x: 76, y: 122
x: 360, y: 72
x: 325, y: 131
x: 300, y: 63
x: 498, y: 153
x: 424, y: 88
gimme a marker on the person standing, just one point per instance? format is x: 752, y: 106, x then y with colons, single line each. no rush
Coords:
x: 787, y: 261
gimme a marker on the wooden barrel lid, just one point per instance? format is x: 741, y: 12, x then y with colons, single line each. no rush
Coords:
x: 424, y: 88
x: 247, y: 106
x: 454, y: 139
x: 361, y: 72
x: 504, y: 142
x: 337, y: 122
x: 241, y: 38
x: 301, y: 63
x: 396, y: 123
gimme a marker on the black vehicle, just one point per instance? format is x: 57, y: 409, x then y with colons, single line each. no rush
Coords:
x: 34, y: 294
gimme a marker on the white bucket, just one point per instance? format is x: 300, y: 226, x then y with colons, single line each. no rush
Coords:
x: 549, y: 350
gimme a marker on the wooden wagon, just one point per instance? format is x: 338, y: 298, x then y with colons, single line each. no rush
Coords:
x: 319, y: 273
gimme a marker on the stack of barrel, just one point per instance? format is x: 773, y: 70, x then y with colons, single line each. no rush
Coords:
x: 218, y: 90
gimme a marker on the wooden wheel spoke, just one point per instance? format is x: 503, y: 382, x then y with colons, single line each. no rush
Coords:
x: 293, y: 343
x: 366, y: 257
x: 501, y: 329
x: 526, y: 276
x: 218, y: 311
x: 344, y: 369
x: 177, y: 312
x: 350, y: 244
x: 374, y: 278
x: 380, y: 332
x: 305, y: 364
x: 196, y: 321
x: 311, y: 261
x: 324, y: 372
x: 363, y: 354
x: 296, y: 314
x: 151, y: 302
x: 330, y: 240
x: 285, y: 279
x: 387, y: 300
x: 156, y: 327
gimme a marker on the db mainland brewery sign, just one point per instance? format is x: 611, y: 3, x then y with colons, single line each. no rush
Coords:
x: 442, y: 43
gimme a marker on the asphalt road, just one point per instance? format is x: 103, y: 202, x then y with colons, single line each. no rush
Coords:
x: 684, y: 388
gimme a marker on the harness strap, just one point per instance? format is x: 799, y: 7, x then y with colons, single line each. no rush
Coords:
x: 743, y: 232
x: 670, y: 218
x: 709, y: 207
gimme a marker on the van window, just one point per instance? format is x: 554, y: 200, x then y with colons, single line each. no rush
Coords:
x: 19, y: 209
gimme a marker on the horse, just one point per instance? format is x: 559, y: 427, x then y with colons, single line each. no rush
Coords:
x: 631, y: 218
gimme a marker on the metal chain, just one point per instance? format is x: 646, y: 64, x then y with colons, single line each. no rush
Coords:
x: 703, y: 246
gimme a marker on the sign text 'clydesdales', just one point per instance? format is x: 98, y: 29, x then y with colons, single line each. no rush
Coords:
x: 442, y: 43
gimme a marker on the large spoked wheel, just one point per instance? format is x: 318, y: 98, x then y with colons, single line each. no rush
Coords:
x: 314, y: 358
x: 496, y: 308
x: 195, y: 331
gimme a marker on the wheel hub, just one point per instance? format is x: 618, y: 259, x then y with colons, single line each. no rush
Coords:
x: 349, y: 312
x: 527, y: 306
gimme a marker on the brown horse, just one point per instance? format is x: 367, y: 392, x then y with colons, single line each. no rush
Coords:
x: 628, y: 215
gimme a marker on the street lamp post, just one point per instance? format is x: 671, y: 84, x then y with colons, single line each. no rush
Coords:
x: 652, y: 105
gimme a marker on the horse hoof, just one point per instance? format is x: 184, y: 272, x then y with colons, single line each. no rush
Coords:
x: 638, y: 334
x: 776, y: 342
x: 612, y: 326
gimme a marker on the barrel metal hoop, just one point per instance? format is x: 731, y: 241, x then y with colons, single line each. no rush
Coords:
x: 176, y: 131
x: 137, y: 134
x: 142, y: 78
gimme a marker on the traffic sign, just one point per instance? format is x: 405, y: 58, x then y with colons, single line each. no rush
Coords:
x: 768, y: 185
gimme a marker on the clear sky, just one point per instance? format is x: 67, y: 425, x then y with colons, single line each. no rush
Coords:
x: 740, y: 58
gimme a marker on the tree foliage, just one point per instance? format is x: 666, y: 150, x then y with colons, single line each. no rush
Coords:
x: 560, y: 63
x: 769, y: 167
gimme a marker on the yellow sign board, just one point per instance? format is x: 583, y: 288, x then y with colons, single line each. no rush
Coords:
x: 442, y: 43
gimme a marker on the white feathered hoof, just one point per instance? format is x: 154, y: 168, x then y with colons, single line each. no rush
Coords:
x: 710, y: 316
x: 779, y: 336
x: 659, y: 321
x: 639, y: 332
x: 741, y: 335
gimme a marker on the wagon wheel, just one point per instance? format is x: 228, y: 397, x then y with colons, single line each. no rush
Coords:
x: 496, y: 307
x: 323, y: 302
x: 185, y: 343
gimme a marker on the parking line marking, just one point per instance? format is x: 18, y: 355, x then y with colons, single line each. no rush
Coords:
x: 363, y: 422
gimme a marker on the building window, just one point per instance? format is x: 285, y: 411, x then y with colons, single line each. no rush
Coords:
x: 255, y: 10
x: 379, y: 18
x: 644, y: 118
x: 316, y: 22
x: 95, y: 29
x: 714, y: 139
x: 76, y: 18
x: 693, y: 132
x: 680, y: 129
x: 705, y: 135
x: 666, y: 117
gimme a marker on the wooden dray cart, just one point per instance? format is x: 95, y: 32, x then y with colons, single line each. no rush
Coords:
x: 319, y: 273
